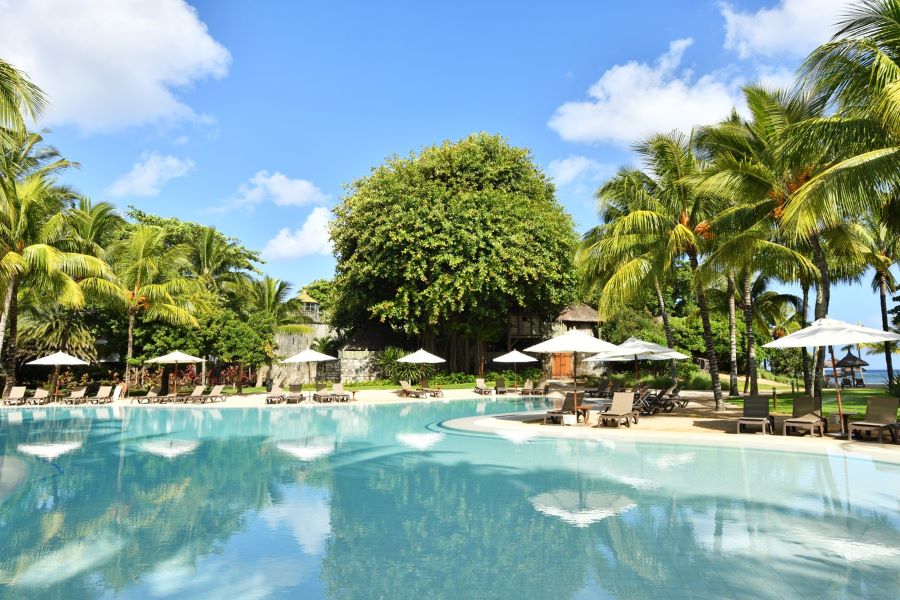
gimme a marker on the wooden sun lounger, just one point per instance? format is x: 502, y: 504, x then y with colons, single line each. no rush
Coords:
x: 152, y: 395
x: 76, y: 396
x: 321, y: 394
x: 338, y: 393
x: 407, y: 390
x: 276, y: 396
x: 756, y: 412
x: 567, y: 408
x: 500, y: 386
x: 807, y: 415
x: 481, y: 387
x: 41, y: 396
x: 881, y: 416
x: 215, y: 395
x: 425, y: 389
x: 620, y: 411
x: 194, y: 396
x: 16, y: 396
x: 103, y: 395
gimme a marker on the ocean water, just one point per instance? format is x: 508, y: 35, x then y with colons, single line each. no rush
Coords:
x: 359, y: 502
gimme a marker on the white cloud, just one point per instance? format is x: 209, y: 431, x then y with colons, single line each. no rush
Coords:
x: 636, y: 99
x: 311, y: 238
x: 278, y: 188
x: 792, y: 27
x: 567, y: 170
x: 109, y: 64
x: 149, y: 174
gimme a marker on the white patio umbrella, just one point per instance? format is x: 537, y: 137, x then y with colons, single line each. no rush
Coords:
x: 57, y: 360
x: 515, y: 357
x: 175, y: 358
x: 421, y: 357
x: 308, y: 356
x: 573, y: 341
x: 636, y: 349
x: 831, y: 332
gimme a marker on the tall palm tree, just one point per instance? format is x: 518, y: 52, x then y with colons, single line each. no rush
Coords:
x: 20, y: 99
x: 857, y: 72
x: 94, y: 226
x: 215, y: 261
x: 667, y: 214
x: 151, y: 275
x: 881, y: 248
x: 748, y: 165
x: 621, y: 269
x: 34, y: 213
x: 273, y: 298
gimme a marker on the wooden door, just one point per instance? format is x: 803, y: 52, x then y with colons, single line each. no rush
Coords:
x: 561, y: 365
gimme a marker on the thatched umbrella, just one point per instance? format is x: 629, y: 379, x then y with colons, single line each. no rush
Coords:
x: 852, y: 362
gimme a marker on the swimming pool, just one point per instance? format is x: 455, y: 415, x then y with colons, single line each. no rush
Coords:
x: 365, y: 501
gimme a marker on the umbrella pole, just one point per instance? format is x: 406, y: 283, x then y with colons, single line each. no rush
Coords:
x: 837, y: 389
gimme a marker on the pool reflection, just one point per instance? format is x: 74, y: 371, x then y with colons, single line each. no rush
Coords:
x: 363, y: 502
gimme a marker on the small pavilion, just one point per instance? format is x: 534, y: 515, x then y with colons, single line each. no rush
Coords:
x: 852, y: 362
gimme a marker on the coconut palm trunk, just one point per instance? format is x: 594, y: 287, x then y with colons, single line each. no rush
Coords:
x: 703, y: 306
x: 12, y: 317
x: 823, y: 297
x: 888, y: 350
x: 732, y: 339
x: 670, y: 342
x: 130, y: 352
x: 804, y: 353
x: 751, y: 338
x: 4, y: 317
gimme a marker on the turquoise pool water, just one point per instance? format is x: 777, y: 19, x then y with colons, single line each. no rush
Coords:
x: 386, y: 502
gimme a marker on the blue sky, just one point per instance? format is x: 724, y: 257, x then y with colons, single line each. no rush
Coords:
x: 251, y: 117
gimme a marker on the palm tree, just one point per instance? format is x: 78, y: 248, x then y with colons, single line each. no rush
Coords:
x: 272, y: 297
x: 20, y: 99
x: 215, y: 260
x: 881, y: 248
x: 94, y: 226
x: 623, y: 268
x: 150, y: 274
x: 748, y: 164
x: 669, y: 219
x: 33, y: 224
x: 858, y: 72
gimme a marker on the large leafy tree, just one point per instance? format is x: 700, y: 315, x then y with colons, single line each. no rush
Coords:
x: 151, y: 275
x: 446, y: 243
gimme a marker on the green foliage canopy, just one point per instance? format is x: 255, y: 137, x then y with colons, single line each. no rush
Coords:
x: 452, y: 240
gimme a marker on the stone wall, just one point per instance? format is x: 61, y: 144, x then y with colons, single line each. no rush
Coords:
x: 352, y: 366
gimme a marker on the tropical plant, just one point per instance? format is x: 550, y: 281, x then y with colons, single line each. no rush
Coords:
x: 669, y: 219
x: 748, y: 167
x: 33, y: 224
x: 880, y: 246
x: 20, y: 99
x: 621, y: 268
x: 150, y: 274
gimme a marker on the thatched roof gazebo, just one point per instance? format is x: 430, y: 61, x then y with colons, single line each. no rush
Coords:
x: 852, y: 362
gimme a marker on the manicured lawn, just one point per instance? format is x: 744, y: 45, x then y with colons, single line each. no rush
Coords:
x: 853, y: 400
